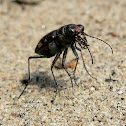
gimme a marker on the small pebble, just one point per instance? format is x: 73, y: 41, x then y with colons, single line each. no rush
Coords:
x: 28, y: 1
x: 120, y: 92
x: 122, y: 98
x: 108, y: 80
x: 92, y: 88
x: 110, y: 88
x: 43, y: 26
x: 45, y: 104
x: 123, y: 65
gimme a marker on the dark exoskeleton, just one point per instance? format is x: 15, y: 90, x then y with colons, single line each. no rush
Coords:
x: 58, y: 41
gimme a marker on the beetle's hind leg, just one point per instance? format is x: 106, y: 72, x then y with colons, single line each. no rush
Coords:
x: 31, y: 57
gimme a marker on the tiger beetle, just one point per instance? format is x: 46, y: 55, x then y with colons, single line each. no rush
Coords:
x: 58, y: 41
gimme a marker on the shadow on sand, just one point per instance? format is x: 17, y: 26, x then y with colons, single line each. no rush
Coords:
x: 42, y: 80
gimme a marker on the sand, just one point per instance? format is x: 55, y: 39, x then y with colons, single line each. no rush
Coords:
x: 93, y: 103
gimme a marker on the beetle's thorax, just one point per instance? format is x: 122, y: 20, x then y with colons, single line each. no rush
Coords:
x: 64, y: 39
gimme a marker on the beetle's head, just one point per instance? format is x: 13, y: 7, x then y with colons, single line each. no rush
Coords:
x: 80, y: 37
x: 73, y: 29
x: 80, y: 28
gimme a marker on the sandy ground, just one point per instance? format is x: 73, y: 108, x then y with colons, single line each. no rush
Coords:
x: 93, y: 103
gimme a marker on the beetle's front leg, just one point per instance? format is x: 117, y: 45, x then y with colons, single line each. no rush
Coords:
x: 77, y: 58
x: 84, y: 62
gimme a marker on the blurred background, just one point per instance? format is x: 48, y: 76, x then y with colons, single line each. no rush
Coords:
x: 22, y: 24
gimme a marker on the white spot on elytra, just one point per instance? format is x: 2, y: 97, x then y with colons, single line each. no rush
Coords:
x: 39, y: 45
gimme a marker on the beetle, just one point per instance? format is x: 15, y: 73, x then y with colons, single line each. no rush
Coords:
x: 58, y: 41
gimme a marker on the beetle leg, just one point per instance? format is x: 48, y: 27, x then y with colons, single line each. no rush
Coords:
x: 84, y: 62
x: 86, y: 67
x: 31, y: 57
x: 77, y: 57
x: 63, y: 62
x: 77, y: 48
x: 53, y: 63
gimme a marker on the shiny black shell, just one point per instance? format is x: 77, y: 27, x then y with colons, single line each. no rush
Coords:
x: 47, y: 44
x: 57, y: 40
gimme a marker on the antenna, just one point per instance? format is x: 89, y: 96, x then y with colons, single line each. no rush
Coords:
x: 99, y: 39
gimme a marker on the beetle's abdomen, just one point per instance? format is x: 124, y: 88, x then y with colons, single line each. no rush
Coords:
x: 47, y: 45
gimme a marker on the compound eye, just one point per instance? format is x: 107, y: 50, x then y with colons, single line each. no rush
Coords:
x: 71, y: 31
x: 81, y: 26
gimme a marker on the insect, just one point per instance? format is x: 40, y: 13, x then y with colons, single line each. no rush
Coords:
x: 58, y: 41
